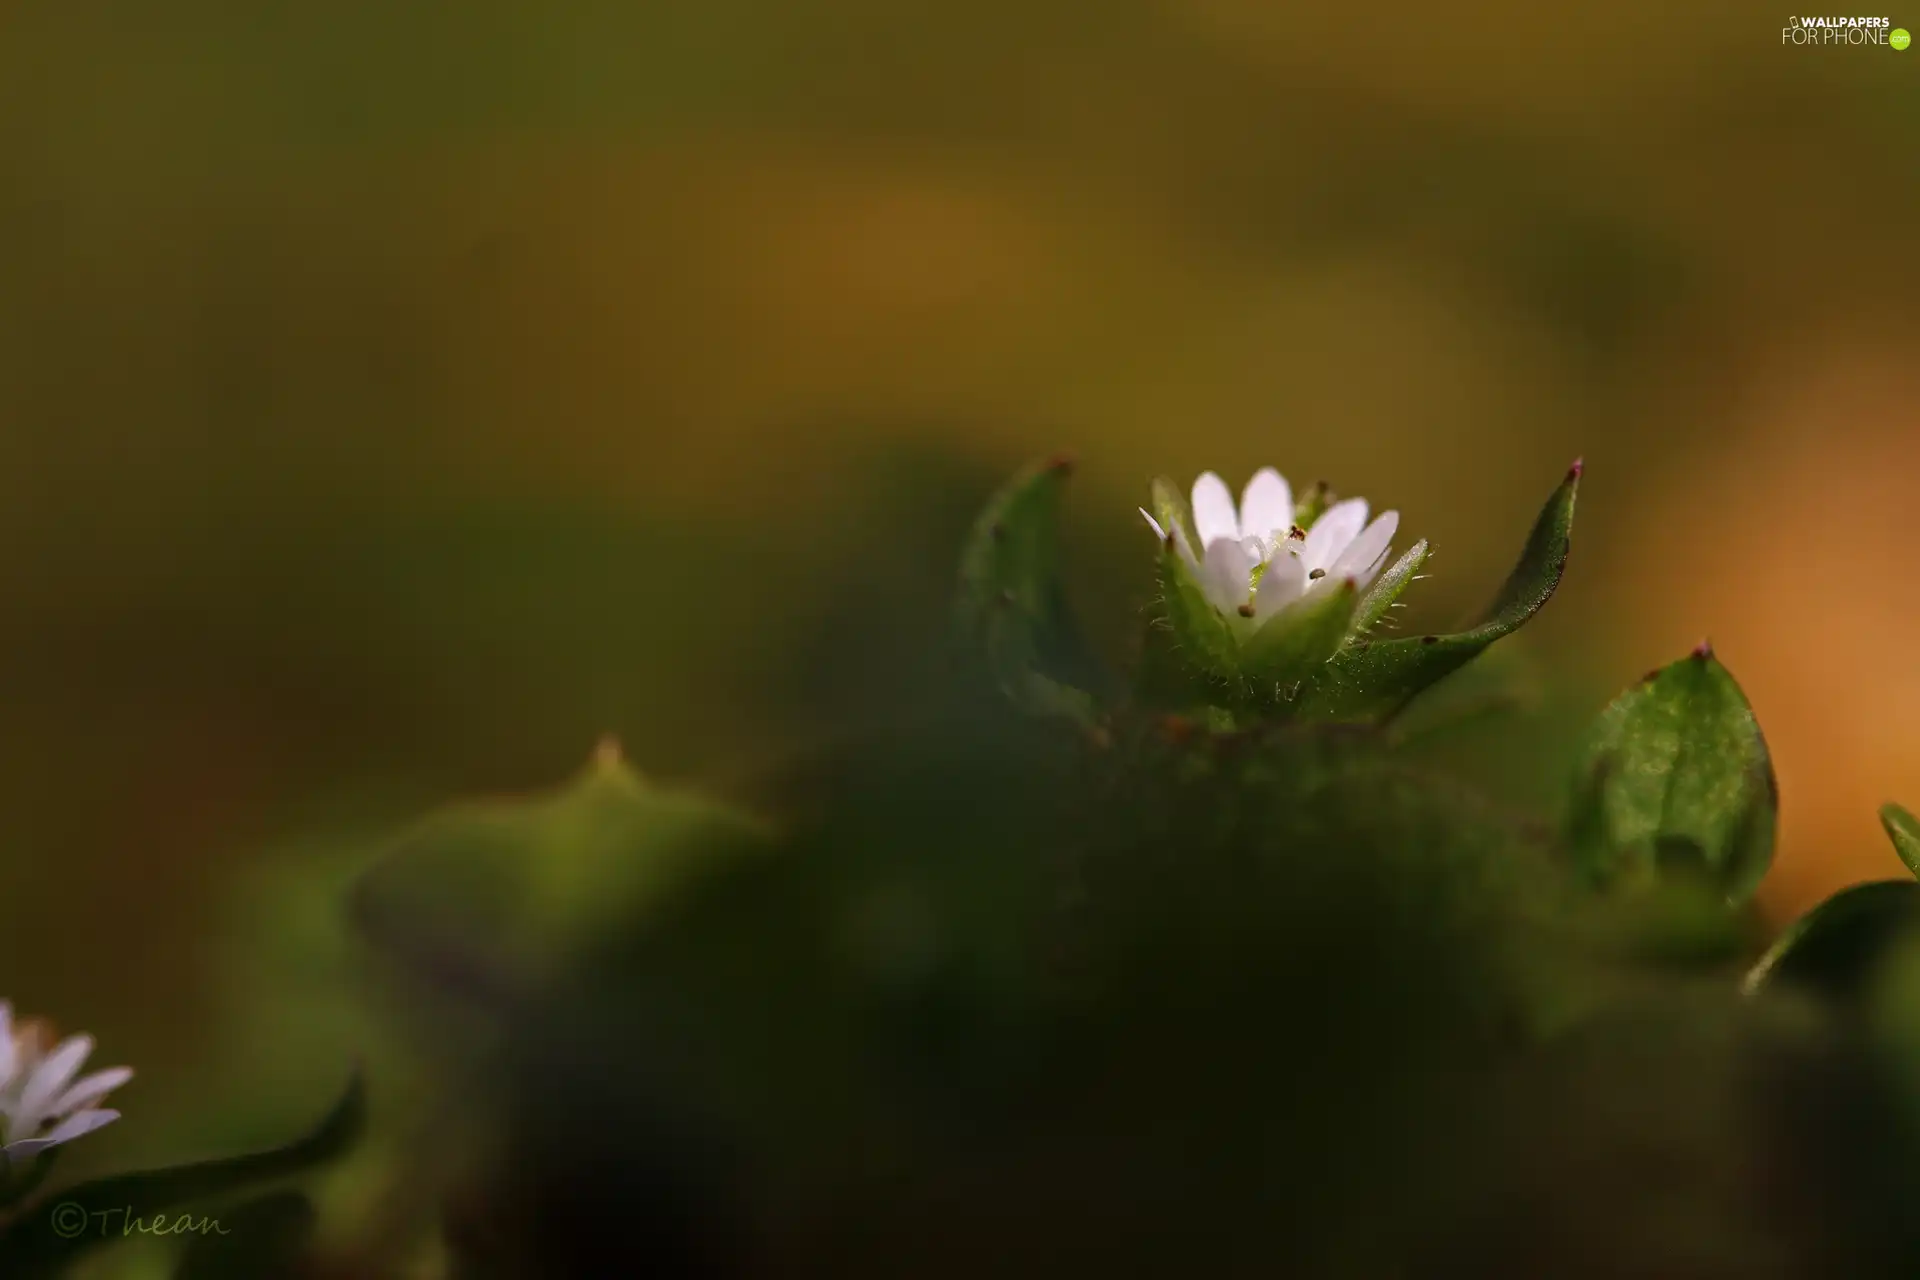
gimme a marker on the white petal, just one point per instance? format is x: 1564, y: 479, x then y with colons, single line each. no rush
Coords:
x: 1213, y: 510
x: 1367, y: 548
x: 1179, y: 539
x: 79, y: 1125
x: 1337, y: 526
x: 1365, y: 577
x: 50, y: 1079
x: 90, y: 1089
x: 1224, y: 576
x: 1266, y: 508
x: 1280, y: 585
x: 1327, y: 583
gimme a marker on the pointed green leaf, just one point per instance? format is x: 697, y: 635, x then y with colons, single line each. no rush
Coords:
x: 1675, y: 778
x: 44, y: 1241
x: 263, y: 1237
x: 1011, y: 607
x: 1904, y: 830
x: 484, y: 898
x: 1371, y: 681
x: 1387, y: 588
x: 1835, y: 949
x: 1294, y: 643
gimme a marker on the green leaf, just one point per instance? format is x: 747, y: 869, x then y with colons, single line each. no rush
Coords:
x: 1290, y: 646
x: 255, y: 1239
x: 1387, y: 588
x: 1904, y: 830
x: 483, y: 899
x: 1675, y: 779
x: 47, y: 1239
x: 1836, y: 949
x: 1371, y: 681
x: 1011, y: 607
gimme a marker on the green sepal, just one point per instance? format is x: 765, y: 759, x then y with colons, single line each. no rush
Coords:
x: 1171, y: 509
x: 1904, y: 830
x: 1011, y: 611
x: 1387, y: 588
x: 1675, y: 778
x: 1290, y: 646
x: 1371, y: 681
x: 1200, y: 635
x: 1836, y: 949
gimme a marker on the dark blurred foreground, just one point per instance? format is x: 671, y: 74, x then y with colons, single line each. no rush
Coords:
x: 990, y: 996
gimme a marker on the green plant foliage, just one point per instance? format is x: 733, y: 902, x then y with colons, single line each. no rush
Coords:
x: 1386, y: 589
x: 1842, y: 948
x: 1296, y: 642
x: 1067, y: 989
x: 44, y: 1238
x: 1201, y: 638
x: 1216, y: 979
x: 1835, y: 949
x: 1370, y: 681
x: 1904, y: 830
x: 1675, y: 779
x: 486, y: 899
x: 1151, y: 1008
x: 1011, y: 610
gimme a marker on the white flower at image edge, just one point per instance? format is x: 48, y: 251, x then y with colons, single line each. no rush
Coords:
x: 42, y: 1105
x: 1300, y: 564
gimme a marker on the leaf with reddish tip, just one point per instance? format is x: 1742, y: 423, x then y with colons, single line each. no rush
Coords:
x: 1676, y: 780
x: 1373, y: 681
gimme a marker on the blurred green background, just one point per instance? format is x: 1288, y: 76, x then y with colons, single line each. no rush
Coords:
x: 395, y: 397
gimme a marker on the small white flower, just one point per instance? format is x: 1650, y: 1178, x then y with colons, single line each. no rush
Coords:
x: 41, y: 1103
x: 1299, y: 564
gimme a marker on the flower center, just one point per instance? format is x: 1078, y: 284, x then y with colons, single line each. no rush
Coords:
x: 1265, y: 549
